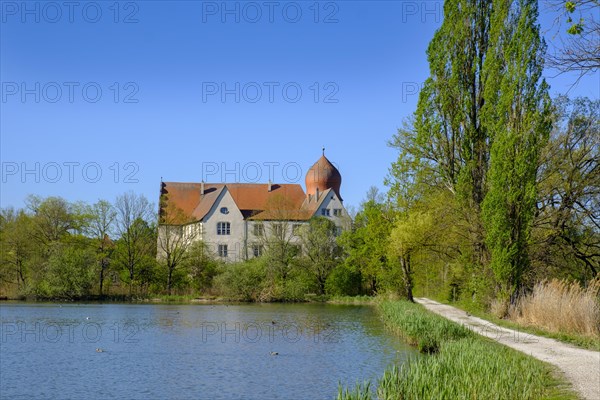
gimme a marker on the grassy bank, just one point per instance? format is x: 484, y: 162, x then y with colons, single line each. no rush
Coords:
x: 351, y: 300
x: 459, y: 364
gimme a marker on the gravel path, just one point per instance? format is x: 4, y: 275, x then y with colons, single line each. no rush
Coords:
x: 580, y: 366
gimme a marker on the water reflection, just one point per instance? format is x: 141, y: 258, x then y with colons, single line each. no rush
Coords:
x: 190, y: 351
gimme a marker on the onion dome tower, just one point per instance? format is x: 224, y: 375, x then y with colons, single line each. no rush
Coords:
x: 321, y: 176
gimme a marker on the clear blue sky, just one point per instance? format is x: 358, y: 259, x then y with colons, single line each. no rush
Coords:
x: 161, y: 68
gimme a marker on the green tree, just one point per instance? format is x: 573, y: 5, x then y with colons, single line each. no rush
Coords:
x: 137, y: 239
x: 366, y: 244
x: 281, y: 250
x: 176, y: 234
x: 101, y: 218
x: 566, y: 227
x: 17, y: 247
x: 201, y: 265
x: 70, y: 273
x: 53, y: 219
x: 412, y: 233
x: 516, y: 114
x: 320, y: 249
x: 446, y: 143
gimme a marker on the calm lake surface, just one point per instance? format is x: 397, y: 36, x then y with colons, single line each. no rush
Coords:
x: 48, y: 351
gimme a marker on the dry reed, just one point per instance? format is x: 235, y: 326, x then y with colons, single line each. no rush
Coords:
x: 561, y: 306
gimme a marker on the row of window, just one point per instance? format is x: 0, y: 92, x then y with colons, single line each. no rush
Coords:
x: 257, y: 250
x: 222, y: 250
x: 224, y: 228
x: 326, y: 212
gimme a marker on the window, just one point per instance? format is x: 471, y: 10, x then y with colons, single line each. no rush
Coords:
x: 277, y: 229
x: 325, y: 212
x: 222, y: 250
x: 338, y: 230
x: 337, y: 212
x: 259, y: 230
x: 257, y: 250
x: 224, y: 210
x: 296, y: 229
x: 223, y: 228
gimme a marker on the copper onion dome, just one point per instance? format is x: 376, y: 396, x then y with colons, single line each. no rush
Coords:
x: 323, y: 175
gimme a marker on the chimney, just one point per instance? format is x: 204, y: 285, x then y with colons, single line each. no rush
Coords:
x: 269, y: 185
x: 202, y: 188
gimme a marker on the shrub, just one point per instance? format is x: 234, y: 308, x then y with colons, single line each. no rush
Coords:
x: 343, y: 281
x: 242, y: 281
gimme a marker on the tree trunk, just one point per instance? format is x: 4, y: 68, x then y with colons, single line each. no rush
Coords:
x: 408, y: 284
x: 169, y: 281
x: 101, y: 276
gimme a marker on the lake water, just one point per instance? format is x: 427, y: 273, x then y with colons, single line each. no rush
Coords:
x: 49, y: 351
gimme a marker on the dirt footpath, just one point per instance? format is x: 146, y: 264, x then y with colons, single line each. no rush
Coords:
x: 581, y: 367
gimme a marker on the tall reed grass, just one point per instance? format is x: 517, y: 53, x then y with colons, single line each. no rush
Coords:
x: 464, y: 366
x: 562, y: 307
x: 424, y: 330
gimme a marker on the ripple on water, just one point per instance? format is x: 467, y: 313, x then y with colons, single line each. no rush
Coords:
x: 190, y: 351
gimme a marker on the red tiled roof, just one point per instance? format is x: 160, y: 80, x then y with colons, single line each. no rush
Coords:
x: 284, y: 201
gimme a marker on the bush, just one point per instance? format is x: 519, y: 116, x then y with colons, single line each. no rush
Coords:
x: 70, y: 274
x: 343, y: 281
x: 242, y: 281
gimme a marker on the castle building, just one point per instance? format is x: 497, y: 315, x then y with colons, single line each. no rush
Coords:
x: 235, y: 220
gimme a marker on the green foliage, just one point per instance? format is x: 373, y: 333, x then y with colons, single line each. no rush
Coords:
x: 344, y: 281
x: 576, y: 29
x: 70, y: 273
x: 570, y: 6
x: 517, y: 117
x: 470, y: 155
x: 566, y: 233
x: 366, y: 245
x: 412, y: 232
x: 320, y: 250
x: 243, y: 281
x: 201, y: 266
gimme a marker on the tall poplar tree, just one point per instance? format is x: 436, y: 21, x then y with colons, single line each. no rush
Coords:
x: 448, y: 145
x: 481, y: 119
x: 516, y: 115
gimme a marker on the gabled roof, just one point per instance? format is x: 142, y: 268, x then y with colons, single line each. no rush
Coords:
x: 255, y: 201
x: 311, y: 203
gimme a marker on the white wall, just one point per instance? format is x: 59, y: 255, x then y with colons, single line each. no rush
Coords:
x: 234, y: 241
